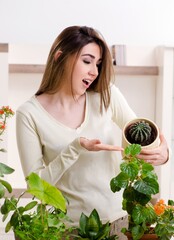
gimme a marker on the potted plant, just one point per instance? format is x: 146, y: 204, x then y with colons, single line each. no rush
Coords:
x: 46, y: 219
x: 43, y: 218
x: 139, y: 182
x: 5, y: 113
x: 92, y: 228
x: 141, y: 131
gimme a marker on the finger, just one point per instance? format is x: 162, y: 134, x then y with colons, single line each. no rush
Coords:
x: 109, y: 147
x: 162, y: 139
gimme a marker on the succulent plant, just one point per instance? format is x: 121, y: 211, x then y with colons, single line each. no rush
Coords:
x: 139, y: 132
x: 92, y: 228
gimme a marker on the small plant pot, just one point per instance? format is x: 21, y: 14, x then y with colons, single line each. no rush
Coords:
x: 16, y: 238
x: 146, y: 236
x: 152, y: 141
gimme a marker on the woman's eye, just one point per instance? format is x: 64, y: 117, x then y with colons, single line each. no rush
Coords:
x: 86, y: 61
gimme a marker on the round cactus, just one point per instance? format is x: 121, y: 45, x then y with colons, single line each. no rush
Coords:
x: 140, y: 132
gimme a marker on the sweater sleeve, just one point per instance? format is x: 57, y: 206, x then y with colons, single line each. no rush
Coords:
x: 121, y: 111
x: 31, y: 156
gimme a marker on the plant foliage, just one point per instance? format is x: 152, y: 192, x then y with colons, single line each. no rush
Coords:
x: 140, y: 183
x: 40, y: 219
x: 5, y: 113
x: 92, y: 228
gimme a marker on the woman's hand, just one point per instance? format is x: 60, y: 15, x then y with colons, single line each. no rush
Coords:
x: 158, y: 155
x: 96, y: 145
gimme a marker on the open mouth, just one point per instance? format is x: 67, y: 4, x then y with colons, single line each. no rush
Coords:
x: 86, y: 82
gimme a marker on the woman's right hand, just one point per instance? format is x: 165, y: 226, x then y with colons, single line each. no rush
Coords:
x: 96, y: 145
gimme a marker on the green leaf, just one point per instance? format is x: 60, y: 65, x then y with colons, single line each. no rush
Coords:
x: 82, y: 224
x: 146, y: 167
x: 3, y: 150
x: 132, y: 149
x: 147, y: 186
x: 54, y: 221
x: 2, y: 191
x: 134, y: 196
x: 120, y: 181
x: 6, y: 185
x: 8, y: 227
x: 4, y: 169
x: 150, y: 215
x: 30, y: 205
x: 137, y: 232
x: 8, y: 205
x: 45, y: 192
x: 14, y: 220
x: 130, y: 168
x: 170, y: 202
x: 103, y: 232
x: 139, y: 214
x: 93, y: 224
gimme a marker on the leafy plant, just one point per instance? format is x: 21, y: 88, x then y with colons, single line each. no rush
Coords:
x: 5, y: 112
x: 140, y: 183
x: 92, y: 228
x: 41, y: 220
x: 165, y: 219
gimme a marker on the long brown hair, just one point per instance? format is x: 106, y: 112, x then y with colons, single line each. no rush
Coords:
x: 70, y: 42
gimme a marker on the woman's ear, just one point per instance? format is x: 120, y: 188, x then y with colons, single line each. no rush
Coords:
x: 57, y: 54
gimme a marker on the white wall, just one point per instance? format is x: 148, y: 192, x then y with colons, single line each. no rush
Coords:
x: 120, y: 21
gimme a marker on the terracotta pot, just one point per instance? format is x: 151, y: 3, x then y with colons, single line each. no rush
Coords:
x: 146, y: 236
x: 155, y: 130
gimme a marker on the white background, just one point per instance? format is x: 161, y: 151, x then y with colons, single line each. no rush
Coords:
x: 120, y: 21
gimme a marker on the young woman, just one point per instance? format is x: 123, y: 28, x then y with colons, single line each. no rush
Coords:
x: 65, y: 131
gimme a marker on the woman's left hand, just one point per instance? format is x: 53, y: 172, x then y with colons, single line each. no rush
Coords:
x: 97, y: 145
x: 156, y: 156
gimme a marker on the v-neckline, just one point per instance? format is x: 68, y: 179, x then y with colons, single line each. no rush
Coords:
x: 60, y: 123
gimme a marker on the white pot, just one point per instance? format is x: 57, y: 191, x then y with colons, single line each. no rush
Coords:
x: 156, y: 141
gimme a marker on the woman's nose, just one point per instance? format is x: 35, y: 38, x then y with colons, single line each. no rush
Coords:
x: 94, y: 71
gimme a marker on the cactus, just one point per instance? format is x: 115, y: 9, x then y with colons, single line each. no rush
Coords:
x: 140, y: 132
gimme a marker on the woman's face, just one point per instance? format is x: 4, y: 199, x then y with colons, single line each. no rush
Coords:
x: 86, y: 68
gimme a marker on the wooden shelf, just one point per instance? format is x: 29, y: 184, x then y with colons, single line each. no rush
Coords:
x: 26, y: 68
x: 120, y: 70
x: 3, y: 47
x: 136, y: 70
x: 17, y: 192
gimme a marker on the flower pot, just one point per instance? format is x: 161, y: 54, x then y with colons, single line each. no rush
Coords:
x: 147, y: 236
x: 152, y: 142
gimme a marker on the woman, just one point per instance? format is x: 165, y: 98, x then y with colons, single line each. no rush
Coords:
x: 65, y: 131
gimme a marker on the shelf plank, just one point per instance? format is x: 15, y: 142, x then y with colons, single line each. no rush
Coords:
x: 120, y: 70
x: 137, y: 70
x: 3, y: 47
x: 17, y: 192
x: 26, y: 68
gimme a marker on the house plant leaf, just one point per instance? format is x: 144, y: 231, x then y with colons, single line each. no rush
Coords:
x: 6, y: 185
x: 137, y: 232
x: 147, y: 186
x: 132, y: 149
x: 2, y: 191
x: 121, y: 181
x: 130, y: 168
x: 45, y: 192
x: 4, y: 169
x: 82, y: 224
x: 93, y: 224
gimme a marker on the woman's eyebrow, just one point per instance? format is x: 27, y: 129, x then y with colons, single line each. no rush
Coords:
x: 90, y: 55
